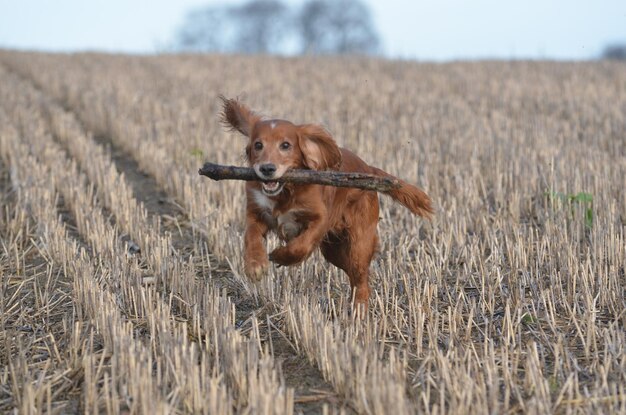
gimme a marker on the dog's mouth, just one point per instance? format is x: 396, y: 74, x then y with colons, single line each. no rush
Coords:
x: 272, y: 188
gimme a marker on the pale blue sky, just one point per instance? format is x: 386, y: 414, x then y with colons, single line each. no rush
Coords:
x: 426, y: 30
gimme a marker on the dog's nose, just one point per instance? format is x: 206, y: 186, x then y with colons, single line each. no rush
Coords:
x: 268, y: 169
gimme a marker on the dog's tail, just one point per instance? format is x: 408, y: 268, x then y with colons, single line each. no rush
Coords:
x: 409, y: 196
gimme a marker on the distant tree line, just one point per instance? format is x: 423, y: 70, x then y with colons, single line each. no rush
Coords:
x: 615, y: 52
x: 269, y: 26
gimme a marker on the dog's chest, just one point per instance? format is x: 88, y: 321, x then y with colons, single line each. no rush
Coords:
x: 285, y: 223
x: 262, y: 201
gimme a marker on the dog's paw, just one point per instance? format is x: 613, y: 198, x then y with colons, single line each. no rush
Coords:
x: 285, y: 256
x: 255, y: 270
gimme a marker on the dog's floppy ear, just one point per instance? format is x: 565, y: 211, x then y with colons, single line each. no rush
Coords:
x: 237, y: 116
x: 318, y: 148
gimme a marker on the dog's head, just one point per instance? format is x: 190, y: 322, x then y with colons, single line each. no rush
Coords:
x: 275, y: 146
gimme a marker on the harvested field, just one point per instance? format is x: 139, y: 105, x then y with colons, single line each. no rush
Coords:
x: 122, y: 277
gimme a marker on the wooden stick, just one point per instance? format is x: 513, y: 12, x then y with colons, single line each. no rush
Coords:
x: 328, y: 178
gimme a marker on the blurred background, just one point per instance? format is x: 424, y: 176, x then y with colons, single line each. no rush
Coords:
x: 424, y: 30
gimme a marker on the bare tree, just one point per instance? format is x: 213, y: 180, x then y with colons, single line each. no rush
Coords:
x: 268, y: 26
x: 203, y: 31
x: 336, y: 27
x: 257, y: 26
x: 262, y: 26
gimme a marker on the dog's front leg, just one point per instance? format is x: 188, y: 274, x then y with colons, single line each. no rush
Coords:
x: 255, y: 254
x: 300, y: 247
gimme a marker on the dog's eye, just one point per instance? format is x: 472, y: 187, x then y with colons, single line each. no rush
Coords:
x: 285, y: 145
x: 258, y: 145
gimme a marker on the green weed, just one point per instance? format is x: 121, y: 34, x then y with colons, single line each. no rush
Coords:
x: 576, y: 199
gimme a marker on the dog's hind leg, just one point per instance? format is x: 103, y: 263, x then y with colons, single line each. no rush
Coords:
x: 353, y: 250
